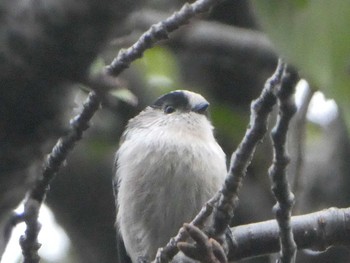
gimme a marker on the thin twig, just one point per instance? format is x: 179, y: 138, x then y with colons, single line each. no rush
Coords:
x: 277, y: 172
x: 29, y: 241
x: 213, y: 35
x: 65, y: 144
x: 54, y: 161
x: 13, y: 221
x: 158, y: 32
x: 241, y: 158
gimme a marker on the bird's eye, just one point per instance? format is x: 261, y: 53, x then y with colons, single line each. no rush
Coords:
x: 169, y: 109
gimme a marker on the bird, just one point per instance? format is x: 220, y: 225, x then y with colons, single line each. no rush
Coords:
x: 167, y: 166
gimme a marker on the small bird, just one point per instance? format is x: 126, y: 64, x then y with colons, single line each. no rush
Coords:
x: 167, y: 166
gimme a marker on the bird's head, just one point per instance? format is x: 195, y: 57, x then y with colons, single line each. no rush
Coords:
x: 176, y: 113
x: 181, y: 101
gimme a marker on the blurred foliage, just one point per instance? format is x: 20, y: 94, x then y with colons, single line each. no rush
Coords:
x: 121, y: 93
x: 230, y: 125
x: 313, y: 35
x: 96, y: 149
x: 160, y: 70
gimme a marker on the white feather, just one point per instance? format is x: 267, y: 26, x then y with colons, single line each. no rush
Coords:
x: 168, y: 166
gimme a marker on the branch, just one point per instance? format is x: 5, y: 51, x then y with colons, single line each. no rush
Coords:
x: 277, y: 172
x: 213, y: 35
x: 260, y: 110
x: 54, y: 161
x: 56, y: 43
x: 158, y: 32
x: 241, y: 158
x: 317, y: 231
x: 79, y: 124
x: 29, y: 241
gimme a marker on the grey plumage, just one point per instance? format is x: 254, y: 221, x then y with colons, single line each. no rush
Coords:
x: 168, y: 165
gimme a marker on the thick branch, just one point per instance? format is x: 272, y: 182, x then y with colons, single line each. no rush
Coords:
x: 277, y: 172
x: 317, y: 231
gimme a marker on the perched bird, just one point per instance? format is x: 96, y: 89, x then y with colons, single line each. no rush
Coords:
x: 167, y: 166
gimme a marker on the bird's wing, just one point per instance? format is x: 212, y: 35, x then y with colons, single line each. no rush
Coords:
x: 123, y: 256
x: 115, y: 178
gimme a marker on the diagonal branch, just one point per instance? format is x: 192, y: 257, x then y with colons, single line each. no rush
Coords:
x: 277, y: 172
x: 79, y: 124
x: 158, y: 32
x: 241, y: 158
x: 53, y: 163
x: 212, y: 35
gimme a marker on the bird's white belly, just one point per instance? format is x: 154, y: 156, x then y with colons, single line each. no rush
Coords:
x: 149, y: 218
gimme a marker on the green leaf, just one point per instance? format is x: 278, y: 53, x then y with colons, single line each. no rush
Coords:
x: 314, y: 35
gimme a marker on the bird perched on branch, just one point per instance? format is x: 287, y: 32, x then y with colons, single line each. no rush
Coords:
x: 167, y: 166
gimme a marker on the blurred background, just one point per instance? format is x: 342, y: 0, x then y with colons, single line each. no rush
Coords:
x: 226, y: 56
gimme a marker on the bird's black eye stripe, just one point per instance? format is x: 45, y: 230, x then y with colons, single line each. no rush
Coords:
x: 176, y: 99
x: 169, y: 109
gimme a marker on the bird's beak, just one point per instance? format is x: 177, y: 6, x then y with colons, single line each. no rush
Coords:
x: 201, y: 108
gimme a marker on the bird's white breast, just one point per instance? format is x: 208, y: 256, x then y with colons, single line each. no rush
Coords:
x: 165, y: 177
